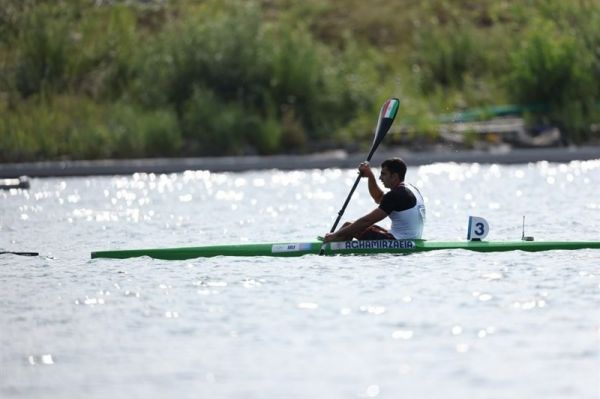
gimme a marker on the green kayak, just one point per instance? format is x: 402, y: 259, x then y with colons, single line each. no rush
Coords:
x: 344, y: 248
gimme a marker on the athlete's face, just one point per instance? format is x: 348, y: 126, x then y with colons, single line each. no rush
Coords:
x: 388, y: 178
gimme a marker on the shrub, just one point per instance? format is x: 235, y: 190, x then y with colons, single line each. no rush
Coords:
x: 43, y: 53
x: 444, y: 56
x: 212, y: 126
x: 554, y: 67
x: 260, y: 74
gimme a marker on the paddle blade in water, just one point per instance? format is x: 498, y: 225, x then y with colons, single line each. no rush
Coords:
x: 386, y: 118
x: 19, y: 253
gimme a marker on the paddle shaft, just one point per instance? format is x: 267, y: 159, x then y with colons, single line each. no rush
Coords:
x: 341, y: 212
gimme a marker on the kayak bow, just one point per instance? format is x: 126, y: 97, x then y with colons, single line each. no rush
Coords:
x: 344, y: 248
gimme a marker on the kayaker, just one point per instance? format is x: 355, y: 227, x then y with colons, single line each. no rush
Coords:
x: 403, y: 204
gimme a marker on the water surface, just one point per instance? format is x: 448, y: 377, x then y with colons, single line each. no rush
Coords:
x: 441, y: 324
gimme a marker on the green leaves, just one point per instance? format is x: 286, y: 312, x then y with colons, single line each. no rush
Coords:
x: 553, y: 67
x: 243, y: 85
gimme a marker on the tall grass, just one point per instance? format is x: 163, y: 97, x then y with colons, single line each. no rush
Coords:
x: 67, y: 125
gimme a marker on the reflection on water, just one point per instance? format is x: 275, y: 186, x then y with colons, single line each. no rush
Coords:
x: 476, y: 324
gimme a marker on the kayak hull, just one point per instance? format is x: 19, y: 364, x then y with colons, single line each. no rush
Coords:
x: 344, y: 248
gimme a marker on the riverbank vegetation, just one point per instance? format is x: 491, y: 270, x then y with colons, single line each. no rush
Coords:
x: 82, y: 79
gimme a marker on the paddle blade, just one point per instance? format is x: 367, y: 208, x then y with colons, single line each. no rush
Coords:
x: 386, y: 118
x: 19, y: 253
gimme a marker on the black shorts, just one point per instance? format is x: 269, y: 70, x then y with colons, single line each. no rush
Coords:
x: 375, y: 233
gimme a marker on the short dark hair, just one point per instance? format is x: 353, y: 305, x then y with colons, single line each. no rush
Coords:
x: 395, y: 165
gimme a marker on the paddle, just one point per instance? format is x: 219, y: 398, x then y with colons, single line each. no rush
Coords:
x: 19, y: 253
x: 386, y: 118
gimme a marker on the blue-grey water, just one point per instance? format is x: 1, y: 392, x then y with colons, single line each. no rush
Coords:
x: 436, y: 325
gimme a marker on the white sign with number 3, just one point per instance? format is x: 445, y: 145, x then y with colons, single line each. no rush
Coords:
x: 478, y: 228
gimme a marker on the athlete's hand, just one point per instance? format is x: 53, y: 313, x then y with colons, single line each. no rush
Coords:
x: 364, y: 169
x: 329, y: 237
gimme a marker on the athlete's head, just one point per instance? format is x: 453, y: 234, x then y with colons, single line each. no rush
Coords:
x: 395, y: 165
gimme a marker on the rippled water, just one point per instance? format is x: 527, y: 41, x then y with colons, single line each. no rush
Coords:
x: 441, y: 324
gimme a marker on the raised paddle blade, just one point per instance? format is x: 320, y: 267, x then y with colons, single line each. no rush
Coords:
x: 386, y: 118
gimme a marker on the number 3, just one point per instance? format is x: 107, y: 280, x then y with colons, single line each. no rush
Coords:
x: 479, y: 229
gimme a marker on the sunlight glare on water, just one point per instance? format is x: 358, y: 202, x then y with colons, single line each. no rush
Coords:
x: 450, y: 324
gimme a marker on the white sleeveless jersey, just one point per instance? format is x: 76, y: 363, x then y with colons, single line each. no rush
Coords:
x: 408, y: 224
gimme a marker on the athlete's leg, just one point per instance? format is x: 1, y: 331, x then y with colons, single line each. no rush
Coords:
x: 375, y: 233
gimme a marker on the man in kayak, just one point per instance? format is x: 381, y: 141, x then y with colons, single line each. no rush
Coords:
x: 403, y: 204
